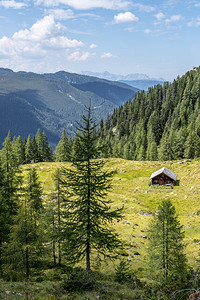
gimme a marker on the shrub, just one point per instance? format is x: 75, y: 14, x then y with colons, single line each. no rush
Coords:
x: 79, y: 280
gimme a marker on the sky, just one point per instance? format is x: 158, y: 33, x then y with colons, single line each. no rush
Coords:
x: 160, y: 38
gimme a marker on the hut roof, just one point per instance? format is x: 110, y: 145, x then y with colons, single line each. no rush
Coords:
x: 166, y: 172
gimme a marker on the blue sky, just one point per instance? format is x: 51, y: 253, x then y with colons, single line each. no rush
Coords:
x: 157, y: 38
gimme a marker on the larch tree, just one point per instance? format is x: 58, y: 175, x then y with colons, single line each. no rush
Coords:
x: 166, y: 256
x: 54, y: 216
x: 88, y: 212
x: 24, y: 250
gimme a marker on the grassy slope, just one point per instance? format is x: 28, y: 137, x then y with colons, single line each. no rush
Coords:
x: 131, y: 189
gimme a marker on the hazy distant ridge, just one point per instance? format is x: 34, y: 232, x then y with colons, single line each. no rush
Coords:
x: 137, y: 80
x: 51, y: 102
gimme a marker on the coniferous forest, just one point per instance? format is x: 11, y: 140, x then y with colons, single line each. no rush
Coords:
x: 162, y: 124
x: 61, y: 239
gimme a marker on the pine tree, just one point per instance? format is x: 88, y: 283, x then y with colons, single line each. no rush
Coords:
x: 25, y: 248
x: 55, y: 216
x: 167, y: 261
x: 64, y: 148
x: 11, y: 175
x: 88, y: 213
x: 10, y: 181
x: 34, y: 150
x: 47, y: 152
x: 18, y: 148
x: 164, y: 150
x: 34, y: 194
x: 39, y: 140
x: 28, y: 151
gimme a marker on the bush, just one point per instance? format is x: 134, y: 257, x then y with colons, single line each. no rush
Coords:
x: 79, y: 280
x: 122, y: 272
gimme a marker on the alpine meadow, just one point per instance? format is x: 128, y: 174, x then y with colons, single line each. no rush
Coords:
x: 111, y: 211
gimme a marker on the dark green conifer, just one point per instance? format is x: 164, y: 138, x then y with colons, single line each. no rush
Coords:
x: 167, y: 261
x: 88, y: 212
x: 64, y: 148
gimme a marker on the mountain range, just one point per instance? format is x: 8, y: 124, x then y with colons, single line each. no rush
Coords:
x: 51, y: 102
x: 138, y: 80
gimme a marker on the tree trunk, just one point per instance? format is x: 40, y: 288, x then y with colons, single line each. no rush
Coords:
x: 88, y: 223
x: 26, y: 241
x: 59, y: 223
x: 54, y: 246
x: 167, y: 249
x: 163, y: 250
x: 88, y: 257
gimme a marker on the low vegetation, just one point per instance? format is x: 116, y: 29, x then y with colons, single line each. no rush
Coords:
x: 124, y: 278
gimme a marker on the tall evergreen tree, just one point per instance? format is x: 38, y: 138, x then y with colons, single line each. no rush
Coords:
x: 28, y: 150
x: 47, y: 152
x: 10, y: 181
x: 88, y: 212
x: 64, y: 148
x: 25, y: 248
x: 18, y: 148
x: 167, y: 261
x: 40, y: 145
x: 54, y: 217
x: 58, y: 197
x: 34, y: 193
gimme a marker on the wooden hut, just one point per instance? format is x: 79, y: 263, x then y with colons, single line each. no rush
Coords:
x: 163, y: 177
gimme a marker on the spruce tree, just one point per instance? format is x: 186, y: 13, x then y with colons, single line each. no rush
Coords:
x: 34, y: 193
x: 25, y: 248
x: 11, y: 175
x: 167, y: 261
x: 34, y: 150
x: 88, y: 212
x: 47, y: 152
x: 54, y: 211
x: 18, y: 148
x: 10, y: 181
x: 39, y: 140
x: 63, y: 149
x: 28, y: 151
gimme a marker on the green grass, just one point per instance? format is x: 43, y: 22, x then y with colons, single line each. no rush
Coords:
x: 130, y: 189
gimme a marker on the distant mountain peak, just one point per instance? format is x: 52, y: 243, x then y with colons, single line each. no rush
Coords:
x: 4, y: 71
x: 118, y: 77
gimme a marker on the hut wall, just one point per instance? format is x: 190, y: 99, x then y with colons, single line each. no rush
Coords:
x: 162, y: 179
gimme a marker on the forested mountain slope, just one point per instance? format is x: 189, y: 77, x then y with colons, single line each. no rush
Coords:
x: 51, y: 102
x: 163, y: 123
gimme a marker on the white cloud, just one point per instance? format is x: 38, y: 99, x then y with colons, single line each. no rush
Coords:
x: 41, y: 39
x: 87, y: 4
x: 174, y: 18
x: 77, y: 56
x: 160, y: 16
x: 142, y: 7
x: 107, y: 55
x: 197, y: 5
x: 12, y: 4
x: 61, y: 14
x: 125, y: 17
x: 92, y: 46
x: 194, y: 22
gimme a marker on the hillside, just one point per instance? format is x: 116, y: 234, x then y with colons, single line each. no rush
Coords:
x: 162, y: 124
x: 51, y: 102
x: 131, y: 190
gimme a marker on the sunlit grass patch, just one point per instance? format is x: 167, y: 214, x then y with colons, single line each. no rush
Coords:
x: 131, y: 190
